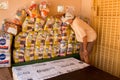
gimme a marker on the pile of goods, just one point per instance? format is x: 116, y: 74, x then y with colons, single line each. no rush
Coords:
x: 39, y: 36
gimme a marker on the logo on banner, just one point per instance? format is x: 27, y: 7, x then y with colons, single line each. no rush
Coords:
x: 2, y: 41
x: 2, y: 56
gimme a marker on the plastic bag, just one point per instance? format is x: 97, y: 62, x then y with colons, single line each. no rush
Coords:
x: 44, y: 8
x: 20, y: 16
x: 57, y: 39
x: 39, y: 24
x: 20, y: 40
x: 31, y: 38
x: 56, y: 50
x: 38, y: 54
x: 63, y: 48
x: 57, y: 24
x: 11, y: 28
x: 40, y: 39
x: 49, y: 24
x: 48, y: 50
x: 70, y: 48
x: 18, y: 55
x: 33, y: 10
x: 77, y: 48
x: 29, y: 53
x: 28, y: 24
x: 71, y: 38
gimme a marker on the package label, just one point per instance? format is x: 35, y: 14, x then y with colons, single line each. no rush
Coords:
x: 4, y: 59
x: 5, y: 41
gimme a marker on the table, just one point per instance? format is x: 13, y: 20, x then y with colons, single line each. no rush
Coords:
x: 88, y: 73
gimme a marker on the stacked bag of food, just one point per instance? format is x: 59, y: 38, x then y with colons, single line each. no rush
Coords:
x: 5, y: 49
x: 38, y: 36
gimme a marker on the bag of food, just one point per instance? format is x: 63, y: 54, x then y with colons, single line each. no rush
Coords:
x: 49, y: 24
x: 56, y: 50
x: 20, y: 16
x: 33, y: 10
x: 70, y: 48
x: 28, y: 24
x: 64, y: 36
x: 44, y: 8
x: 57, y: 24
x: 65, y: 32
x: 57, y: 39
x: 20, y: 40
x: 77, y: 48
x: 40, y: 39
x: 29, y: 54
x: 11, y: 28
x: 39, y: 24
x: 63, y: 48
x: 71, y: 38
x: 57, y: 32
x: 38, y: 54
x: 18, y: 55
x: 49, y: 40
x: 64, y: 27
x: 48, y: 50
x: 30, y: 39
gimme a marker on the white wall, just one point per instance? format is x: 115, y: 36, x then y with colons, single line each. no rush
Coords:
x: 86, y: 8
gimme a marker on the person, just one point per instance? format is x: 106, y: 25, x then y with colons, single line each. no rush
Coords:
x: 84, y: 33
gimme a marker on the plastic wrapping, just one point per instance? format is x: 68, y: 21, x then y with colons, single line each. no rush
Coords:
x: 11, y: 28
x: 44, y: 8
x: 20, y: 16
x: 65, y: 32
x: 29, y: 54
x: 30, y: 39
x: 33, y: 10
x: 56, y: 50
x: 49, y: 24
x: 77, y: 48
x: 70, y: 48
x: 57, y: 39
x: 63, y: 48
x: 49, y: 39
x: 57, y: 24
x: 48, y: 50
x: 40, y: 39
x: 18, y: 55
x: 20, y: 40
x: 39, y: 24
x: 71, y: 38
x: 38, y: 54
x: 28, y: 24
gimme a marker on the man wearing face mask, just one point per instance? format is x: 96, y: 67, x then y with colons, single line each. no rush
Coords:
x: 84, y: 34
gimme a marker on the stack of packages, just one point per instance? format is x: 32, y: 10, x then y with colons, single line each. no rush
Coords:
x: 38, y: 36
x: 5, y: 49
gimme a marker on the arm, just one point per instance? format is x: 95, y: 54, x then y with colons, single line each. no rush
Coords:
x: 85, y: 44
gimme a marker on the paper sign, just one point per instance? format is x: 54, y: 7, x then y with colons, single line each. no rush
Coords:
x: 41, y: 71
